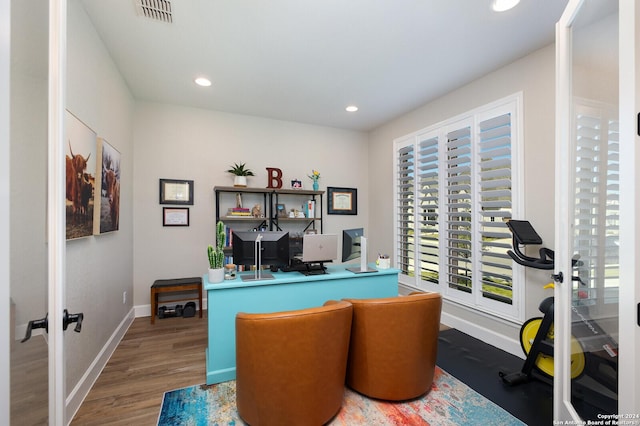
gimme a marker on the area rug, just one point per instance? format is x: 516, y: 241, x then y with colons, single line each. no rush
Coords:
x: 449, y: 402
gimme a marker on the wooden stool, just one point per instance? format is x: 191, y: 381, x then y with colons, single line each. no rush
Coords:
x: 173, y: 286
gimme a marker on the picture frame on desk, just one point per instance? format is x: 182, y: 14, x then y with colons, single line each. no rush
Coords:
x: 342, y: 201
x: 174, y: 191
x: 175, y: 216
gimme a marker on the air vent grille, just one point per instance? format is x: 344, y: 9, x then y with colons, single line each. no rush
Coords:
x: 159, y: 10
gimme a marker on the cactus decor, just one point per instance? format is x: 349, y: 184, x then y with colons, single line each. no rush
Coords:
x: 216, y: 256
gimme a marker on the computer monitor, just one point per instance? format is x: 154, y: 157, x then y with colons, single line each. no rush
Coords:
x: 318, y: 249
x: 354, y: 245
x: 351, y: 243
x: 274, y: 250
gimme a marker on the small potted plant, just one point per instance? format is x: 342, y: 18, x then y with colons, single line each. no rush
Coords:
x: 240, y: 172
x: 315, y: 177
x: 216, y: 256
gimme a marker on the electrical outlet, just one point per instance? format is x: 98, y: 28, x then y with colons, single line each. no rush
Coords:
x: 124, y: 297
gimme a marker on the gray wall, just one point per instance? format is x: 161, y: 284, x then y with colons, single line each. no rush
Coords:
x: 99, y: 269
x: 186, y: 143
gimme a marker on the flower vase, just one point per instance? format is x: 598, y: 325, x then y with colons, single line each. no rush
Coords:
x: 315, y: 185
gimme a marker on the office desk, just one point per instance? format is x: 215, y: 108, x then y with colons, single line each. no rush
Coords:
x: 287, y: 291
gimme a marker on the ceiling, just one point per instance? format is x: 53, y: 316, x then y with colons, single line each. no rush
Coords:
x: 305, y: 61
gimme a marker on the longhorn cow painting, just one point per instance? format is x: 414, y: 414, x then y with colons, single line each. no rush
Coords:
x: 80, y: 177
x: 108, y: 218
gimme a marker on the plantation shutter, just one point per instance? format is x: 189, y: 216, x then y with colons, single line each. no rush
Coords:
x: 405, y: 251
x: 495, y: 183
x: 428, y: 177
x: 458, y: 201
x: 597, y: 200
x: 612, y: 219
x: 588, y: 188
x: 455, y: 185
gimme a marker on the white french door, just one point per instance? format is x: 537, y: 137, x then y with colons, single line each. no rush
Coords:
x: 596, y: 275
x: 34, y: 35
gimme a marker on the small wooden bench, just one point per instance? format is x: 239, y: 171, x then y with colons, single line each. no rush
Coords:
x: 174, y: 286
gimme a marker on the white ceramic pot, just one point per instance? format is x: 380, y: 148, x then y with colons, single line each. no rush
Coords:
x: 240, y: 181
x: 216, y: 275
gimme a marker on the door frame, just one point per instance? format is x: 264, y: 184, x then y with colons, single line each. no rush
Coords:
x: 5, y: 207
x: 629, y: 345
x: 56, y: 219
x: 562, y: 407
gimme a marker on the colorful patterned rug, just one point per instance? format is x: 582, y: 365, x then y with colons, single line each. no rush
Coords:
x: 449, y: 402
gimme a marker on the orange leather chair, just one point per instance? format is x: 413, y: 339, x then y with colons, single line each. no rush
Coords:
x: 290, y: 366
x: 394, y: 342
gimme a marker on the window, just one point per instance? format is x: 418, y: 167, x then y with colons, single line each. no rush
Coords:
x: 455, y: 186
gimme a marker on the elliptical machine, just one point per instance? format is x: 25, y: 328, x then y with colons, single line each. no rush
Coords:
x: 537, y: 336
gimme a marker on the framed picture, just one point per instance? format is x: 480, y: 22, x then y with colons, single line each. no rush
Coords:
x: 81, y: 163
x: 342, y: 200
x: 176, y: 191
x: 175, y: 216
x: 107, y: 211
x: 281, y: 210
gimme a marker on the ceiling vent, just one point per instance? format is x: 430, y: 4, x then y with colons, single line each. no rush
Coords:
x: 158, y: 10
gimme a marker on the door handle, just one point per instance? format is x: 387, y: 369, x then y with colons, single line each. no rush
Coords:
x: 559, y: 277
x: 67, y: 319
x: 33, y: 324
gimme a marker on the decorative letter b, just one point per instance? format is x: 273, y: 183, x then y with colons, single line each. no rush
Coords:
x: 275, y: 178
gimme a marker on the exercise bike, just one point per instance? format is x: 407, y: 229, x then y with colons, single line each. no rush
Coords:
x: 599, y: 362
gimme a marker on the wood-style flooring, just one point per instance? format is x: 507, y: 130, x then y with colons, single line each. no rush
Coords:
x: 150, y: 360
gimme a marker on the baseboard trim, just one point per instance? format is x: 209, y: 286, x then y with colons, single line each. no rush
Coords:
x: 81, y: 390
x: 494, y: 339
x: 500, y: 341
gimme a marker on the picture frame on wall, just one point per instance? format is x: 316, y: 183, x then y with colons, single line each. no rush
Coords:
x: 342, y: 201
x: 107, y: 211
x: 81, y: 153
x: 175, y: 216
x: 174, y: 191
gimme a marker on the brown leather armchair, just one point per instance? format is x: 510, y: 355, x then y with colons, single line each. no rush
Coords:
x: 290, y: 366
x: 394, y: 343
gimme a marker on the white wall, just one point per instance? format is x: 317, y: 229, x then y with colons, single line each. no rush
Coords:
x: 100, y: 268
x: 535, y: 76
x: 175, y: 142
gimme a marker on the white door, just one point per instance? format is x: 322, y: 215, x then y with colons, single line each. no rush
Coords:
x: 36, y: 247
x: 595, y: 295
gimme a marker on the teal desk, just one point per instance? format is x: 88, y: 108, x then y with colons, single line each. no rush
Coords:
x: 287, y: 291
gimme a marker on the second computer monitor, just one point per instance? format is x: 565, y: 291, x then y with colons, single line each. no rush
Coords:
x: 351, y: 244
x: 319, y: 248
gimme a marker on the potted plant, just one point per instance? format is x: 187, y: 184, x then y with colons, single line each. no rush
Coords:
x: 240, y: 173
x: 216, y: 256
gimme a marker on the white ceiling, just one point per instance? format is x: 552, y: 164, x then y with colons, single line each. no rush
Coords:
x: 305, y: 61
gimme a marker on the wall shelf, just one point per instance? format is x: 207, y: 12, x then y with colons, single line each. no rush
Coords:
x: 269, y: 199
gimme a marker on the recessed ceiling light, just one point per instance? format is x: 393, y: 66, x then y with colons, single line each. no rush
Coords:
x: 204, y: 82
x: 504, y: 5
x: 352, y: 108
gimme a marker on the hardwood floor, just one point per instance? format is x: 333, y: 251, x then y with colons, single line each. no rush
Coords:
x: 29, y: 381
x: 150, y: 360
